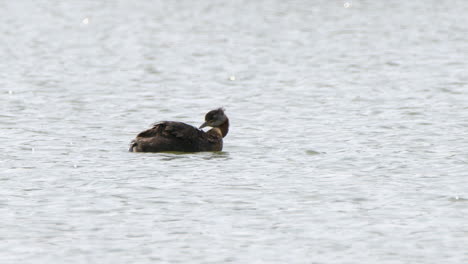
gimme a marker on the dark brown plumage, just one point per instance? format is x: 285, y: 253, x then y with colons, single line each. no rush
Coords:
x: 178, y: 136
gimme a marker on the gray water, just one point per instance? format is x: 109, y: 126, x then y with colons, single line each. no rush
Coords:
x: 347, y: 142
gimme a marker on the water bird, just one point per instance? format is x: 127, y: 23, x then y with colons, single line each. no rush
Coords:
x: 181, y: 137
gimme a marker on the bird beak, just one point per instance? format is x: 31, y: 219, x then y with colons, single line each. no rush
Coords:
x: 204, y: 125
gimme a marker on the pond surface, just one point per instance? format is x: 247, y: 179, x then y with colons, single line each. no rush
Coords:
x: 348, y: 139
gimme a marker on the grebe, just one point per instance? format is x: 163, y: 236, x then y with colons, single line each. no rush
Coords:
x: 178, y: 136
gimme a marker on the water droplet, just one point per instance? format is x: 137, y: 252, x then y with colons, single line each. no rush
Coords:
x: 85, y: 21
x: 347, y: 5
x: 10, y: 92
x: 75, y: 166
x: 33, y: 149
x: 232, y: 78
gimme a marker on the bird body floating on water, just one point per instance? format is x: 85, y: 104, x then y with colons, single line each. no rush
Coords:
x: 181, y: 137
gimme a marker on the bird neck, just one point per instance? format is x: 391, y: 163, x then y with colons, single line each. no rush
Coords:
x: 222, y: 130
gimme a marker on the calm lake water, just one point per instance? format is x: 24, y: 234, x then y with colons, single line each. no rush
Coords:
x: 348, y: 139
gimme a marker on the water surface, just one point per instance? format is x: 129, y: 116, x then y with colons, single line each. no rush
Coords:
x: 347, y: 141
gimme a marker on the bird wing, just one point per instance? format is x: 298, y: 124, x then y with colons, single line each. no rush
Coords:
x: 172, y: 129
